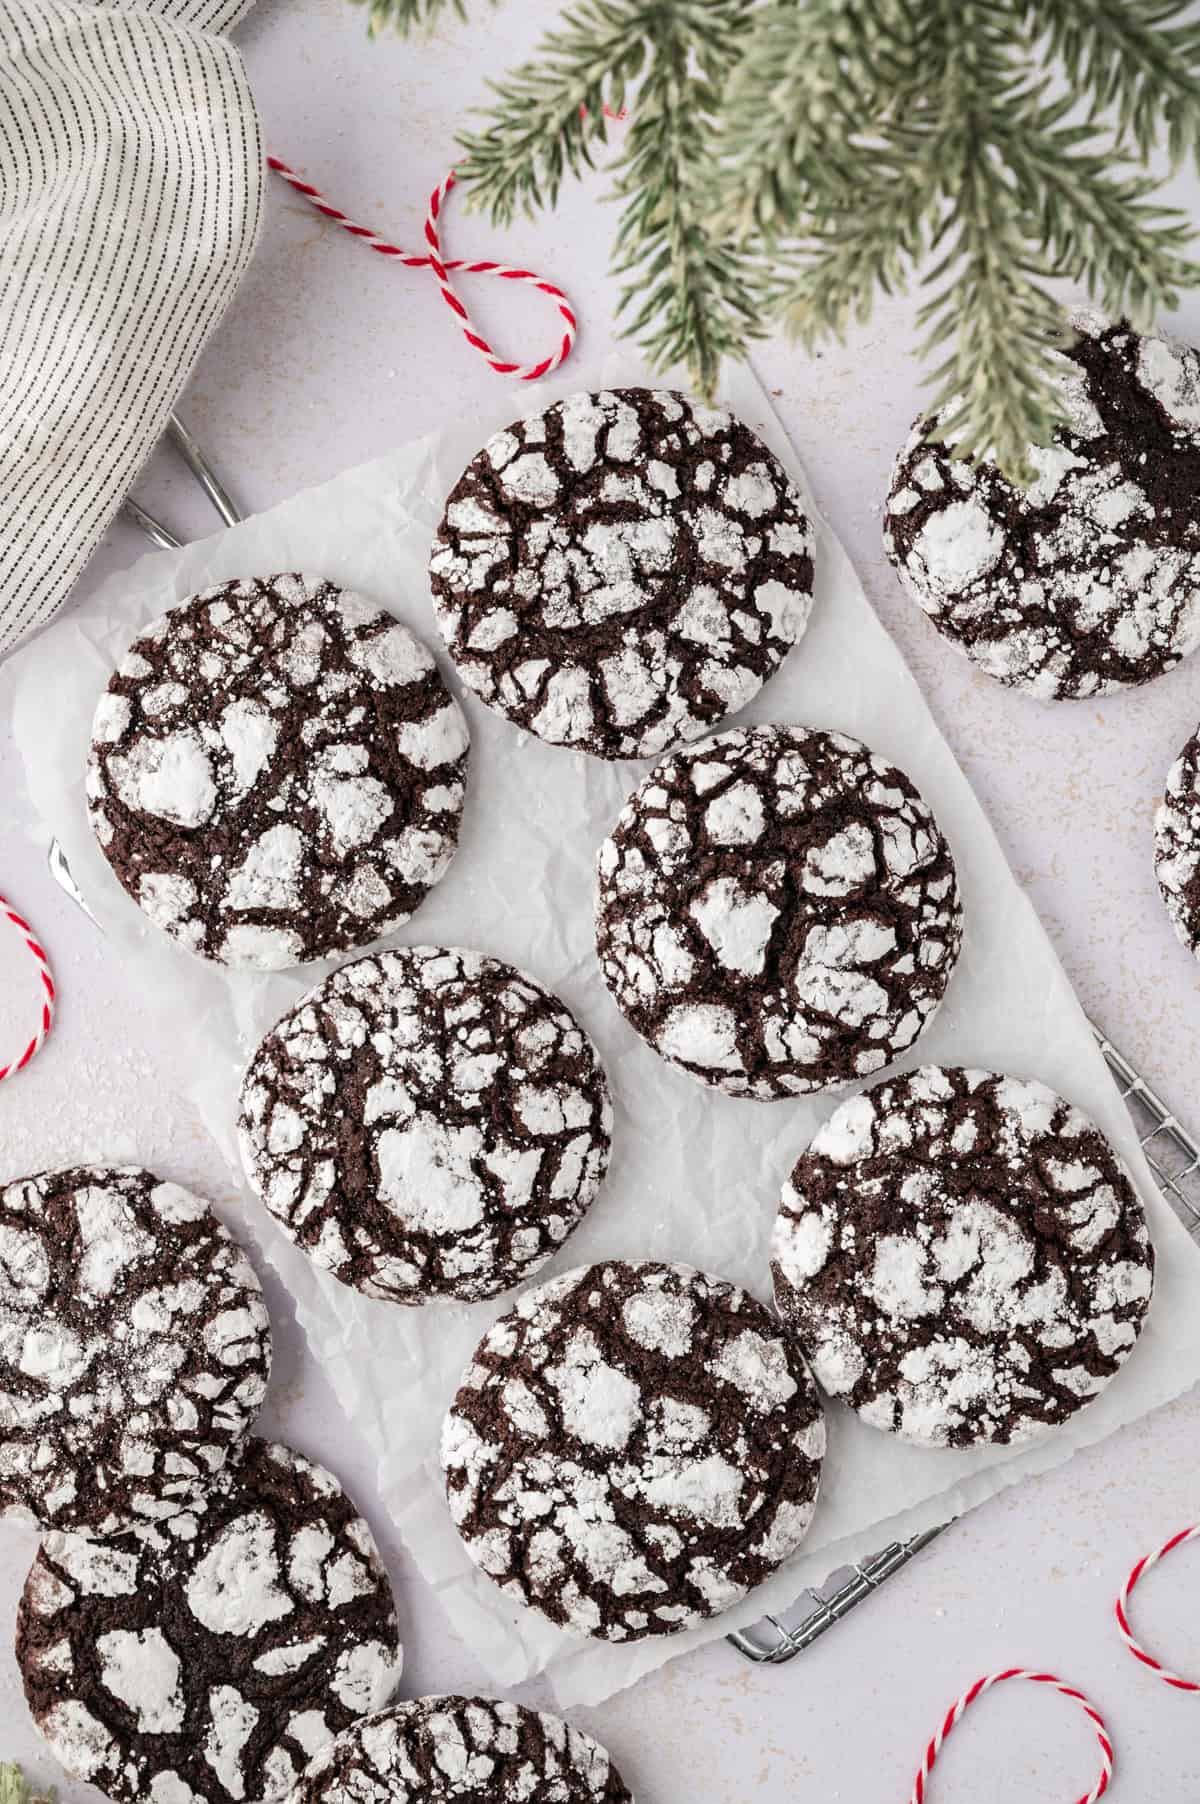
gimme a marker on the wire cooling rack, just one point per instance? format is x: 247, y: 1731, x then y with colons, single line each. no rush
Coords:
x: 1173, y: 1155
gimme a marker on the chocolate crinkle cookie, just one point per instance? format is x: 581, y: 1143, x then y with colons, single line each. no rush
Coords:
x: 963, y: 1257
x: 427, y: 1123
x: 622, y: 570
x: 777, y: 911
x: 135, y: 1347
x: 1177, y: 844
x: 211, y: 1656
x: 462, y: 1750
x: 1087, y: 580
x: 633, y: 1448
x: 277, y: 772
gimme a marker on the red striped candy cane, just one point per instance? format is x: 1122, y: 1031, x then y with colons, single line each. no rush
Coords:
x: 22, y: 926
x: 1122, y: 1610
x: 441, y: 267
x: 954, y: 1715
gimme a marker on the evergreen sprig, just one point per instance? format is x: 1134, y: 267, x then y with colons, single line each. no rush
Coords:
x: 792, y: 159
x: 16, y: 1789
x: 690, y: 293
x: 410, y: 15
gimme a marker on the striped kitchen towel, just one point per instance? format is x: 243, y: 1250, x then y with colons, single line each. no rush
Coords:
x: 207, y: 15
x: 131, y: 185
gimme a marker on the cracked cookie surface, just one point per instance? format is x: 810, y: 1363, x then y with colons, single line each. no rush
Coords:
x: 462, y: 1748
x: 1088, y: 580
x: 633, y: 1448
x: 777, y: 911
x: 622, y: 570
x: 277, y: 772
x: 1177, y: 845
x: 963, y: 1257
x: 211, y: 1656
x: 135, y: 1346
x: 427, y: 1122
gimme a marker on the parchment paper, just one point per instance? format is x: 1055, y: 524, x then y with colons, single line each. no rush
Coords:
x: 695, y: 1175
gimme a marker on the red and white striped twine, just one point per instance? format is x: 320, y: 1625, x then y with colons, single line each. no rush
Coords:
x: 1122, y: 1611
x: 1034, y: 1678
x: 441, y: 267
x: 9, y: 913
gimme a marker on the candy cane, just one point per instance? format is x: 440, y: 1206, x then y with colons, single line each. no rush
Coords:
x: 441, y: 268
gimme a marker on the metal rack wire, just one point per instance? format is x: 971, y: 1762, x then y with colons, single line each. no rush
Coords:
x: 178, y: 435
x: 1173, y: 1155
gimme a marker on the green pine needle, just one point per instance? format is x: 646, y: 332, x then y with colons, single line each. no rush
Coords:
x: 549, y: 114
x: 791, y: 160
x: 404, y: 16
x: 16, y: 1789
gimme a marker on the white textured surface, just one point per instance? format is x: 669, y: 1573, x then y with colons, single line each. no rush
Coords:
x: 330, y: 356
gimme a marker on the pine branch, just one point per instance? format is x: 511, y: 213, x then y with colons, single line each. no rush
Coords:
x: 1096, y: 223
x: 996, y: 391
x: 830, y: 282
x: 1133, y: 57
x: 804, y: 105
x: 16, y: 1789
x: 692, y: 297
x: 700, y: 298
x: 795, y: 158
x: 550, y: 112
x: 990, y: 314
x: 1026, y: 197
x: 405, y: 16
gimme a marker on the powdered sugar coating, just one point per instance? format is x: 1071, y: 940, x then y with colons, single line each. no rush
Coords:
x: 633, y: 1448
x: 1177, y: 844
x: 210, y: 1657
x: 622, y: 570
x: 963, y: 1257
x: 1089, y: 579
x: 777, y: 911
x: 135, y: 1346
x: 444, y: 1748
x: 427, y: 1122
x: 277, y: 772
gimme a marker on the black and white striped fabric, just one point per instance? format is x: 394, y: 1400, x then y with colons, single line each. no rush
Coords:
x: 206, y: 15
x: 131, y: 186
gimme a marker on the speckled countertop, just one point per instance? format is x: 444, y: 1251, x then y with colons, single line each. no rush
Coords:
x: 329, y: 357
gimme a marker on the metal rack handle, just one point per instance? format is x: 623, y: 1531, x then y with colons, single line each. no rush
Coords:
x: 200, y: 467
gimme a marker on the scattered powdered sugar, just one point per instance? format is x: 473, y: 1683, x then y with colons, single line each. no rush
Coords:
x: 235, y: 1588
x: 141, y: 1668
x: 582, y: 1481
x: 171, y: 777
x: 597, y: 1402
x: 1170, y: 373
x: 963, y: 1257
x: 955, y: 547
